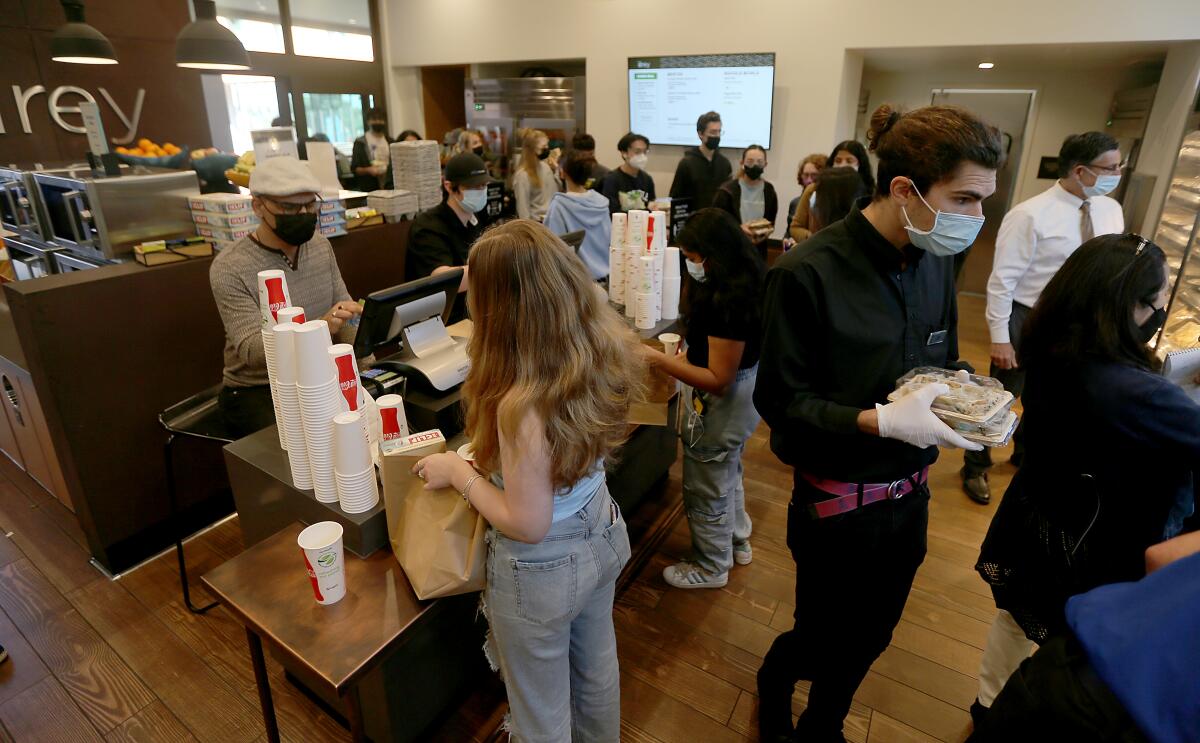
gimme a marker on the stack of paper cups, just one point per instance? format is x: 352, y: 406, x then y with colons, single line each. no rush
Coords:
x: 272, y: 295
x: 395, y: 423
x: 671, y: 282
x: 354, y: 471
x: 644, y: 311
x: 637, y: 229
x: 289, y: 404
x: 342, y: 355
x: 287, y: 314
x: 616, y: 274
x: 661, y: 227
x: 292, y: 314
x: 619, y: 224
x: 320, y: 401
x: 645, y: 274
x: 632, y: 263
x: 658, y: 256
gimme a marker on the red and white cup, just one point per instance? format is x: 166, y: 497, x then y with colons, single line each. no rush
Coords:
x: 273, y: 295
x: 391, y: 412
x: 346, y: 367
x: 351, y: 453
x: 325, y: 561
x: 313, y: 367
x: 291, y: 314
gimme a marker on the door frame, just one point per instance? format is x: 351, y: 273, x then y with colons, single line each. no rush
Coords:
x: 1030, y: 118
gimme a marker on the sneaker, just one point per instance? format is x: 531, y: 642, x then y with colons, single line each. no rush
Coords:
x: 691, y: 575
x: 3, y: 654
x: 742, y: 553
x: 977, y: 488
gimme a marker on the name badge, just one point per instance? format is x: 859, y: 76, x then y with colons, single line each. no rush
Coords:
x: 936, y: 338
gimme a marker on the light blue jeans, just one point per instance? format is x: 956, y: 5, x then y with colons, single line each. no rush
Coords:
x: 552, y: 639
x: 713, y: 496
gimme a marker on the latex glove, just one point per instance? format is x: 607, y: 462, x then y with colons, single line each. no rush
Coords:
x: 910, y: 420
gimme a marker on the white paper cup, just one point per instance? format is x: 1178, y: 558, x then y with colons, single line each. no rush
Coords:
x: 671, y: 263
x: 291, y: 314
x: 391, y: 412
x: 268, y: 341
x: 616, y: 275
x: 285, y: 352
x: 619, y: 225
x: 670, y: 343
x: 662, y: 226
x: 272, y: 295
x: 645, y: 275
x: 350, y: 450
x: 638, y: 225
x: 670, y: 298
x: 321, y: 544
x: 346, y: 367
x: 467, y: 452
x: 313, y: 367
x: 644, y: 312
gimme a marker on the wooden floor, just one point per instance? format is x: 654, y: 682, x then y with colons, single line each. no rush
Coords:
x: 93, y: 659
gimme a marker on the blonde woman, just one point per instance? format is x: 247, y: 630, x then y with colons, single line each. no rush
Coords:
x: 470, y: 140
x: 552, y: 371
x: 535, y: 183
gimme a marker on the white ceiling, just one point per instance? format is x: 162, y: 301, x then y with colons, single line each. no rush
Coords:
x: 1062, y: 56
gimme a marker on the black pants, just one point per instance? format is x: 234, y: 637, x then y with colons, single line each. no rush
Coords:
x: 1055, y: 695
x: 246, y: 409
x: 853, y: 575
x: 975, y: 463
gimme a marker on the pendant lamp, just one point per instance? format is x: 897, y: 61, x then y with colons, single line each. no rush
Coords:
x: 79, y: 43
x: 205, y: 44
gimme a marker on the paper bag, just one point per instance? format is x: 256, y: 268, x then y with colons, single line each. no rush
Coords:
x: 650, y: 409
x: 436, y: 535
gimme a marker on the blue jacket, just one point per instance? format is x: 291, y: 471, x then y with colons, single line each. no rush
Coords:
x: 587, y: 211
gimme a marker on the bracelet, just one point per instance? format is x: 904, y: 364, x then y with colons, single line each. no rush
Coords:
x: 466, y: 491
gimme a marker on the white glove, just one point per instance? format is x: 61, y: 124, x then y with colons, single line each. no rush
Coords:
x: 910, y: 420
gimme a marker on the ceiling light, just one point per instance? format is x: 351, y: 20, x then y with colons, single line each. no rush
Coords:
x: 986, y: 65
x: 79, y: 43
x: 205, y: 44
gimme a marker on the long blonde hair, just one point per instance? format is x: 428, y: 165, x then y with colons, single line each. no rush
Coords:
x: 529, y: 155
x: 545, y: 340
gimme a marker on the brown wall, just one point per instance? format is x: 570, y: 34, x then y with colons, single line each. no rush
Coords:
x: 142, y: 33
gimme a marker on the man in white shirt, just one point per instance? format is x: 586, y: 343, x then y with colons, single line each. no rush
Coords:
x: 1036, y: 238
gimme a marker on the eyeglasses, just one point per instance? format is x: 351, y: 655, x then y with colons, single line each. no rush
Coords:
x: 287, y: 207
x: 1109, y: 169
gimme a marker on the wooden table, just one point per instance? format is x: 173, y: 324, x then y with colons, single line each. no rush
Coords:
x: 336, y: 646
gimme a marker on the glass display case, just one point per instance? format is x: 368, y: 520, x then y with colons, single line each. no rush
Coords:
x: 1179, y: 237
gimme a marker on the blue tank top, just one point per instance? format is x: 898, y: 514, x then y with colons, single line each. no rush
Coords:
x: 569, y: 501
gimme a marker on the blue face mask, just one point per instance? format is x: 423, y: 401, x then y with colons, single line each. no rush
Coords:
x: 950, y: 234
x: 1105, y: 184
x: 696, y: 271
x: 474, y: 200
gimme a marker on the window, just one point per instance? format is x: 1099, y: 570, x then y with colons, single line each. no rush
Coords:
x: 338, y: 116
x: 252, y: 104
x: 340, y: 30
x: 255, y: 22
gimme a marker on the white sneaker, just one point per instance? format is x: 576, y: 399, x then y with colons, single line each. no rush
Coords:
x: 691, y: 575
x: 743, y: 554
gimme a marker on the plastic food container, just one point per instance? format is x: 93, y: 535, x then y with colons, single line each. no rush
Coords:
x: 976, y: 400
x: 997, y: 439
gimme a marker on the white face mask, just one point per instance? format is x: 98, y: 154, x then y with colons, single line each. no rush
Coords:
x: 696, y: 271
x: 638, y: 161
x: 950, y: 234
x: 1105, y: 184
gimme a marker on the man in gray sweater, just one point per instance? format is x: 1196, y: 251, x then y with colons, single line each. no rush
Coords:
x: 285, y: 199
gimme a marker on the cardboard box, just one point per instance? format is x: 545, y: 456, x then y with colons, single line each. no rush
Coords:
x: 652, y: 408
x: 157, y: 255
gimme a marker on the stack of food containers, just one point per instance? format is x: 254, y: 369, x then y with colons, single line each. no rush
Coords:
x: 223, y: 218
x: 394, y: 205
x: 977, y: 407
x: 331, y: 222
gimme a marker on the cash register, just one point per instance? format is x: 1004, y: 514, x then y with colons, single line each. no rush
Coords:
x: 413, y: 318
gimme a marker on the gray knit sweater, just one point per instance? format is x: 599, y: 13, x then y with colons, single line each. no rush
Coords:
x: 316, y: 285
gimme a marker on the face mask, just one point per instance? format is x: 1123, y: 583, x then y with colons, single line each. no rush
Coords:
x: 1150, y: 328
x: 753, y: 172
x: 950, y: 234
x: 543, y: 154
x: 474, y: 200
x: 379, y: 128
x: 1104, y: 184
x: 712, y: 143
x: 696, y: 271
x: 638, y: 161
x: 478, y: 150
x: 295, y: 229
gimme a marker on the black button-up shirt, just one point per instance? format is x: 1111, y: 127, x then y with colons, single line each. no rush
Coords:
x: 847, y: 314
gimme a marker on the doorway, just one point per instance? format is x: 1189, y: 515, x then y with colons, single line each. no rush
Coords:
x: 1008, y: 111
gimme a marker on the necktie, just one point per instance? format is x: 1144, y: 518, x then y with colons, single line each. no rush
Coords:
x: 1085, y: 223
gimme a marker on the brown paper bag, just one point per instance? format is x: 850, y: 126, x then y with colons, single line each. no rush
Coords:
x: 436, y: 535
x: 651, y: 408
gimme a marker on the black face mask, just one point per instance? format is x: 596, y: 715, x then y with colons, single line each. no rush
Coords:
x: 379, y: 128
x: 1150, y: 328
x: 478, y: 150
x: 295, y: 229
x: 753, y: 172
x: 712, y: 143
x: 543, y: 154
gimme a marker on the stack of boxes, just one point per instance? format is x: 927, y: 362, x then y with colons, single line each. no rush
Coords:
x: 223, y: 218
x: 394, y: 205
x: 331, y: 221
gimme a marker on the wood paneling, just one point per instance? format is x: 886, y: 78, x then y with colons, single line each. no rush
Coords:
x: 443, y: 92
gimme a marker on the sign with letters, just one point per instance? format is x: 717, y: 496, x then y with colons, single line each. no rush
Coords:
x: 66, y: 99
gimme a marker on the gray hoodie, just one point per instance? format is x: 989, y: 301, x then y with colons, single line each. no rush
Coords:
x: 587, y: 211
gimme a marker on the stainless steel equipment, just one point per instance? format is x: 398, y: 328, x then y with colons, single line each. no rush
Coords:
x: 500, y: 106
x: 106, y: 217
x: 1179, y: 237
x: 31, y: 259
x: 20, y: 207
x: 65, y: 262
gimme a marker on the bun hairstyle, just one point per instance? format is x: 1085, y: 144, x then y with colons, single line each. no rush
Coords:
x: 926, y: 145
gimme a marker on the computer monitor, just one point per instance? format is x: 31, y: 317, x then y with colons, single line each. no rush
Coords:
x: 388, y: 311
x: 574, y: 239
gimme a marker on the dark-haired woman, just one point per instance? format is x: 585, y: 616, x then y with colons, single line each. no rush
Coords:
x: 837, y: 190
x: 721, y: 311
x: 848, y: 154
x: 1111, y: 448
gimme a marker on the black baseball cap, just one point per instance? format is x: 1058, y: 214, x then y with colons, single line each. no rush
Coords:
x: 467, y: 169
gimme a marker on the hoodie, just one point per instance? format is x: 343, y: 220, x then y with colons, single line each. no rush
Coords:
x: 587, y: 211
x: 698, y: 179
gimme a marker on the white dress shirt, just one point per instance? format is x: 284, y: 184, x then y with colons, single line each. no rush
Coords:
x: 1035, y: 240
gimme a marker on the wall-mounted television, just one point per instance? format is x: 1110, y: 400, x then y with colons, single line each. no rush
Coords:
x: 668, y: 94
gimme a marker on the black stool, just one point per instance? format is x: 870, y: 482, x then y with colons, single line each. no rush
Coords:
x: 197, y: 417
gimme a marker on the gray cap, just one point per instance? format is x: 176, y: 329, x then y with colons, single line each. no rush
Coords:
x: 282, y: 176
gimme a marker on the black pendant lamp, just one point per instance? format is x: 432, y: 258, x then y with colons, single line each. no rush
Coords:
x: 79, y: 43
x: 205, y: 44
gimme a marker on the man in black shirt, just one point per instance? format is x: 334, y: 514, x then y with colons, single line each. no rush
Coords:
x: 629, y: 186
x: 702, y: 170
x: 441, y: 237
x: 584, y: 146
x: 846, y: 314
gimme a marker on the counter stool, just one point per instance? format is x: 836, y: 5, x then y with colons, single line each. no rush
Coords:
x: 198, y: 417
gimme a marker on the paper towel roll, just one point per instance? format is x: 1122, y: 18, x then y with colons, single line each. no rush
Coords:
x: 645, y: 274
x: 619, y: 223
x: 638, y: 225
x: 616, y: 275
x: 671, y: 263
x: 644, y: 314
x: 670, y: 298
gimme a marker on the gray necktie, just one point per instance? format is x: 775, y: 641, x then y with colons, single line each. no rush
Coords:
x: 1085, y: 223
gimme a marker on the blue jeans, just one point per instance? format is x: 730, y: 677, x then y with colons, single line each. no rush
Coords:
x: 713, y: 496
x: 552, y: 639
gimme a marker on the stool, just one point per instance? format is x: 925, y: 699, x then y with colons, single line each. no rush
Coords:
x: 197, y: 417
